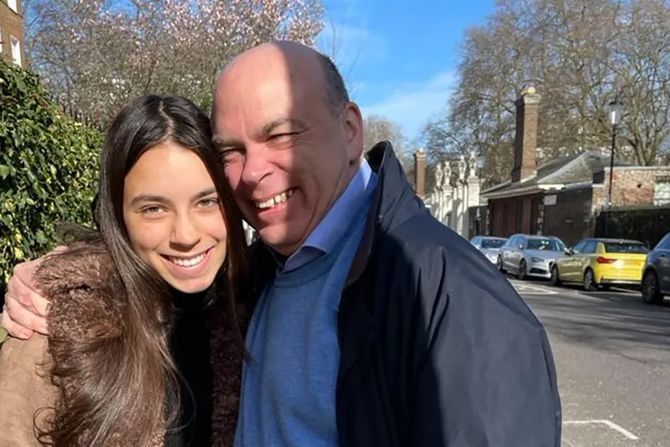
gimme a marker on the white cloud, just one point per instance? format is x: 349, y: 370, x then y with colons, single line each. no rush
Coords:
x: 412, y: 104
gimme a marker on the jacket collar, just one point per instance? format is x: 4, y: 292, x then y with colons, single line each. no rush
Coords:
x: 395, y: 201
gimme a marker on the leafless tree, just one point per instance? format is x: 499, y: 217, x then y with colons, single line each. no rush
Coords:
x: 97, y: 54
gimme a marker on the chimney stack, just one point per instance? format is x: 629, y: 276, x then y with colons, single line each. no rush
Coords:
x: 420, y: 173
x: 525, y: 138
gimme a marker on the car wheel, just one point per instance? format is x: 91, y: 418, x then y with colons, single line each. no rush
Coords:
x: 555, y: 279
x: 651, y: 293
x: 522, y: 270
x: 500, y: 264
x: 589, y: 281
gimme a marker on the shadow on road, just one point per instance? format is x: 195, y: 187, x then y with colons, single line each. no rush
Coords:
x: 613, y: 320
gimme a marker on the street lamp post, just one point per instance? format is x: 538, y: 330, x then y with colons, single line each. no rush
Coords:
x: 481, y: 160
x: 615, y: 111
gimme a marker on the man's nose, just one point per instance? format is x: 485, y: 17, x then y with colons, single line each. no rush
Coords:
x: 256, y: 165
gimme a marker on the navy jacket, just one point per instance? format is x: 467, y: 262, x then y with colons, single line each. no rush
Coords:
x: 437, y: 348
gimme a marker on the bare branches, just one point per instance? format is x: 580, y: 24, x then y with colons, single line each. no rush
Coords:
x: 97, y: 54
x: 579, y: 54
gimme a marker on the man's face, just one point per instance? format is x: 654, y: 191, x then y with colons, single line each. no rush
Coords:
x: 287, y: 155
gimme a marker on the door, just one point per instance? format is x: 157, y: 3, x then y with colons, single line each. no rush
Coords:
x: 588, y: 257
x: 570, y: 270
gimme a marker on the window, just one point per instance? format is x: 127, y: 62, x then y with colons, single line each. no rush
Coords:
x: 579, y: 247
x: 492, y: 243
x: 664, y: 244
x: 545, y: 244
x: 662, y: 191
x: 625, y: 247
x: 12, y: 5
x: 16, y: 50
x: 590, y: 247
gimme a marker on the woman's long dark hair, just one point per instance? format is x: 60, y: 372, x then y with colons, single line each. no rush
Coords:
x: 124, y: 381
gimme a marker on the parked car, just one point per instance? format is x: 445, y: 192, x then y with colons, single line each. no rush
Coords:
x: 656, y: 273
x: 489, y: 246
x: 596, y: 262
x: 527, y: 255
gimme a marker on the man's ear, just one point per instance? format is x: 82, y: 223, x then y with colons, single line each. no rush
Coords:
x: 352, y: 121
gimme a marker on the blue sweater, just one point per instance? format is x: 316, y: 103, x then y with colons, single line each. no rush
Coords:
x: 288, y: 389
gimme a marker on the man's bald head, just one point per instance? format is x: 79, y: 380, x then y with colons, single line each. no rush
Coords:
x: 299, y: 60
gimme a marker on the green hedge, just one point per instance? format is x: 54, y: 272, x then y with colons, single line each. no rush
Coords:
x: 48, y: 169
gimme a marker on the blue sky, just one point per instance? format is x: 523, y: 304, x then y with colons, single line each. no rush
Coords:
x: 399, y: 58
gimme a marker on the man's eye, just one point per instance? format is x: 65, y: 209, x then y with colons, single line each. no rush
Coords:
x: 286, y: 136
x: 228, y: 155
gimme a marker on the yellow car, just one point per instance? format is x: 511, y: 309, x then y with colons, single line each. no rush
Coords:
x: 599, y: 263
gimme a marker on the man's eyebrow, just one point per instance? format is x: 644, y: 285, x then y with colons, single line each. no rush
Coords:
x: 223, y: 142
x: 272, y: 125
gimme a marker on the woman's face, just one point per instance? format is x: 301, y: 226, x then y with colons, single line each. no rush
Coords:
x: 173, y: 218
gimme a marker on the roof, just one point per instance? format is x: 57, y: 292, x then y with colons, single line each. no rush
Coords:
x: 555, y: 174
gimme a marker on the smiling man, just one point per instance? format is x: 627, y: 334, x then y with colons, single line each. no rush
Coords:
x: 374, y: 324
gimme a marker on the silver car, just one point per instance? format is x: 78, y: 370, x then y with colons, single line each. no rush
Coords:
x: 526, y: 255
x: 489, y: 246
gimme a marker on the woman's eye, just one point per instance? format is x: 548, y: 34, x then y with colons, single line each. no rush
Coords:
x: 151, y: 210
x: 208, y: 203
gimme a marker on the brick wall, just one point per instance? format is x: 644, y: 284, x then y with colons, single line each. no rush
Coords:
x: 631, y: 186
x: 11, y: 23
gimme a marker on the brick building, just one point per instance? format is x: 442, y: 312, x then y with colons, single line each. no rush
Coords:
x: 564, y: 196
x: 11, y: 31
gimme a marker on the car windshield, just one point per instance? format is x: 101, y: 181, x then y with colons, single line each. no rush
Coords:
x: 625, y: 247
x: 545, y: 244
x: 492, y: 243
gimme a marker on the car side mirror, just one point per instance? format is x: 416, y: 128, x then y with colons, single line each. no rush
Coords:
x: 569, y: 252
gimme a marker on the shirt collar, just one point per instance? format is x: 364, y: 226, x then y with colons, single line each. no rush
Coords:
x: 327, y: 233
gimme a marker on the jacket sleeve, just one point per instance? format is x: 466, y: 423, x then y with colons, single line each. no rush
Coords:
x: 487, y: 376
x: 25, y: 388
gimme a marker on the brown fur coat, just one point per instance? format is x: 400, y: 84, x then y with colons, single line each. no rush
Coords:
x: 84, y: 289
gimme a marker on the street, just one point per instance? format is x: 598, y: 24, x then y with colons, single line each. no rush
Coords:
x: 612, y: 355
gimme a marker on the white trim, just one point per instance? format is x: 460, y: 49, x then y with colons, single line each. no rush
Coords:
x: 15, y: 48
x: 13, y: 5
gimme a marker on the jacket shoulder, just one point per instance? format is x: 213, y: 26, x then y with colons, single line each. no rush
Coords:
x: 447, y: 271
x: 85, y: 291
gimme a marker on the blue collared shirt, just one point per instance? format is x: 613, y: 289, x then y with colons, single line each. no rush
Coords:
x: 289, y: 389
x: 324, y: 236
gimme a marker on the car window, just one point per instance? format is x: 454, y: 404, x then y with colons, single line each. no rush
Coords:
x: 625, y: 247
x: 475, y: 241
x: 664, y: 244
x: 546, y: 244
x: 579, y: 248
x: 492, y: 243
x: 590, y: 247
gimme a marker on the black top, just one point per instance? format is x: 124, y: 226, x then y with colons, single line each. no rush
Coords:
x: 189, y: 343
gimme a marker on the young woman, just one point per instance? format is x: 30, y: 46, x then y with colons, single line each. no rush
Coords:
x: 144, y: 344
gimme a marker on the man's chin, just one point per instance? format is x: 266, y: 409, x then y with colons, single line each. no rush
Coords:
x: 279, y: 241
